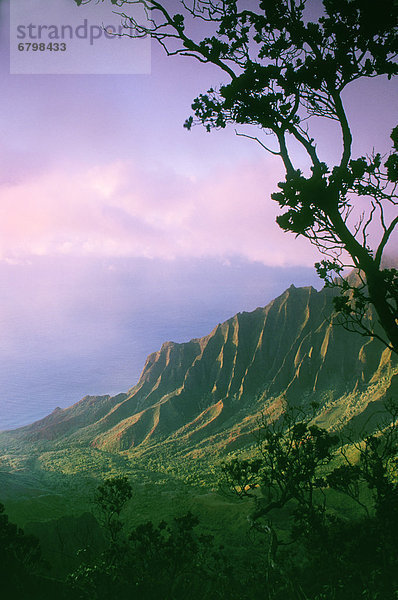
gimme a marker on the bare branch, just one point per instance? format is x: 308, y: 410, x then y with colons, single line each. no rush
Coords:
x: 386, y: 236
x: 250, y: 137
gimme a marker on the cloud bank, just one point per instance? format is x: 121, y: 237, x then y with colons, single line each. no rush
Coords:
x: 122, y: 208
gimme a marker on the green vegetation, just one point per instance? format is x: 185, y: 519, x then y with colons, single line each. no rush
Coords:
x: 297, y: 471
x: 299, y: 502
x: 297, y: 497
x: 21, y: 565
x: 125, y: 501
x: 170, y: 561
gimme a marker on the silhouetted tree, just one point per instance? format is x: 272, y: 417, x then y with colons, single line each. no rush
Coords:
x: 289, y: 470
x: 284, y: 69
x: 168, y: 561
x: 298, y: 464
x: 21, y: 566
x: 110, y: 499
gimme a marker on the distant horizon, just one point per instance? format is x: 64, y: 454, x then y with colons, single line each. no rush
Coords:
x: 113, y: 363
x: 121, y: 230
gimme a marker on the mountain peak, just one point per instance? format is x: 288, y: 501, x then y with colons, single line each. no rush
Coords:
x: 220, y: 383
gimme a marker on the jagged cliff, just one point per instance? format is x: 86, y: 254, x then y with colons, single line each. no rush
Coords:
x: 214, y: 387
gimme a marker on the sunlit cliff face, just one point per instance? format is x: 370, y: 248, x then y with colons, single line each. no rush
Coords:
x: 98, y: 169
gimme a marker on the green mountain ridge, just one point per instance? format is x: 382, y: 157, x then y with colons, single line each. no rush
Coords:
x: 206, y: 394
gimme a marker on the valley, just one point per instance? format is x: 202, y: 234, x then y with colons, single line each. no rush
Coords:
x: 199, y: 401
x: 196, y: 406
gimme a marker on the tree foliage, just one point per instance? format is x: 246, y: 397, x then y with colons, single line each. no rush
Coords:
x: 171, y: 561
x: 110, y: 499
x: 298, y: 466
x: 292, y: 456
x: 284, y: 69
x: 21, y: 564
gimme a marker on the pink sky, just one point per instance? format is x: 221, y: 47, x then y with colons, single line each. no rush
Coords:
x: 99, y: 168
x: 101, y: 165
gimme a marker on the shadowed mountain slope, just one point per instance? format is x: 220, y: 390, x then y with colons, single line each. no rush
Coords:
x: 214, y: 387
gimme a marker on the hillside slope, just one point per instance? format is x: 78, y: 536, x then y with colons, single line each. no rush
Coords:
x: 211, y: 390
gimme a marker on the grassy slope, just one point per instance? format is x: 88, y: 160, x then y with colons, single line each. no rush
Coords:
x: 41, y: 485
x: 38, y: 482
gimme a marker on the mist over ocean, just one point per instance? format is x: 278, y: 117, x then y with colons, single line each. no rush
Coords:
x: 73, y: 327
